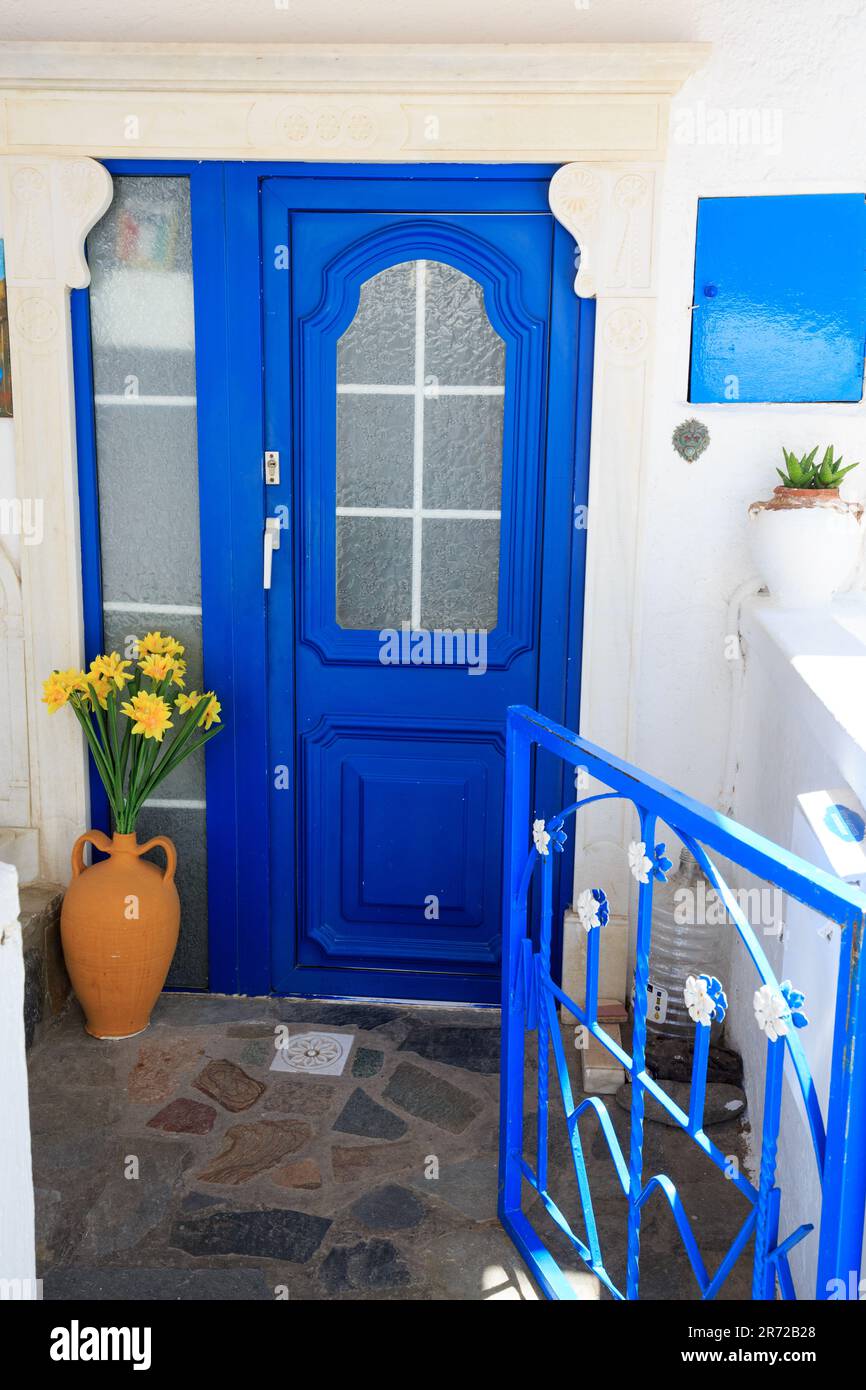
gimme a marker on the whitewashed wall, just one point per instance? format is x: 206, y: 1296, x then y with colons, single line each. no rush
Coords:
x: 14, y: 753
x: 804, y: 63
x: 17, y: 1245
x: 788, y: 747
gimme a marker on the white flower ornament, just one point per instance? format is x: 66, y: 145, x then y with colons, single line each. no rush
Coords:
x: 638, y: 861
x: 776, y: 1008
x: 592, y: 910
x: 540, y: 837
x: 698, y: 1002
x: 705, y: 999
x: 771, y: 1012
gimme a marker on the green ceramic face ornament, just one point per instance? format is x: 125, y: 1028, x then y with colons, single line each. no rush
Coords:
x: 690, y: 439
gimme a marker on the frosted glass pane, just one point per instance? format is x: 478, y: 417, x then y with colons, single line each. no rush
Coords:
x: 374, y: 451
x: 461, y: 346
x: 142, y: 329
x: 148, y: 503
x: 459, y: 574
x: 189, y: 969
x: 379, y: 344
x: 374, y: 571
x: 463, y: 452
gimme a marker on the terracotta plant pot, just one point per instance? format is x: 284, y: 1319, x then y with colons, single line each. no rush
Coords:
x: 119, y: 926
x: 806, y: 544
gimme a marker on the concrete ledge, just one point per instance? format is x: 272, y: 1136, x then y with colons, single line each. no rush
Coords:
x: 46, y: 983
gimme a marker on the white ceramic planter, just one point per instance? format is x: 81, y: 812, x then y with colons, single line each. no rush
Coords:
x: 806, y: 544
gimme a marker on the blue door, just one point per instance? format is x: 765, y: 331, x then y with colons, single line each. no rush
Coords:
x: 420, y: 364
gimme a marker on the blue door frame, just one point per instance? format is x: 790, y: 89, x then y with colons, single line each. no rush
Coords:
x: 226, y: 246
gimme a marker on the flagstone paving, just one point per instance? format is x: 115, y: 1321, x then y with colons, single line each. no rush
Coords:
x: 177, y: 1165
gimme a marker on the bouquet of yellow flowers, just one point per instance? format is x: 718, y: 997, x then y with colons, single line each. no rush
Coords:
x: 127, y: 737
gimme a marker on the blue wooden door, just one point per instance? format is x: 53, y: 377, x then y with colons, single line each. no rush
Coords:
x: 407, y: 383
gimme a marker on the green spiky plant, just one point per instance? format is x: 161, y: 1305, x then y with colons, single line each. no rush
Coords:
x: 805, y: 472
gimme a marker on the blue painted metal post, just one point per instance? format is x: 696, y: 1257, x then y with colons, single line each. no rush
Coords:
x: 513, y: 934
x: 638, y: 1047
x: 767, y: 1223
x: 698, y: 1091
x: 844, y: 1198
x: 543, y: 1021
x: 593, y: 961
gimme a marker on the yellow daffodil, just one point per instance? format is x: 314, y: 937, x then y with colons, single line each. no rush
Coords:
x: 157, y: 666
x: 211, y: 712
x: 58, y: 687
x: 151, y: 714
x: 112, y: 668
x: 154, y: 644
x: 98, y: 686
x: 187, y: 702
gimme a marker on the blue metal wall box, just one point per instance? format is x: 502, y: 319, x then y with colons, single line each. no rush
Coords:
x: 779, y: 299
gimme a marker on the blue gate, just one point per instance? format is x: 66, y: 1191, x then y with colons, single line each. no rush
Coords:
x: 530, y: 997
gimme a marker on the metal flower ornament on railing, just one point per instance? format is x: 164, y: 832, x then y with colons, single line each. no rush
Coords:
x: 531, y: 996
x: 543, y: 837
x: 593, y: 908
x: 644, y: 867
x: 776, y: 1008
x: 705, y: 999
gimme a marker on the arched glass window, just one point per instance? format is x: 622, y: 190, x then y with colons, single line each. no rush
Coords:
x: 420, y: 397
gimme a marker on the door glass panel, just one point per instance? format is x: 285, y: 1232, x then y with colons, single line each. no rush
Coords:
x: 461, y: 346
x: 143, y: 340
x: 420, y: 403
x: 374, y: 450
x: 463, y: 452
x: 379, y: 344
x: 374, y: 558
x: 461, y: 573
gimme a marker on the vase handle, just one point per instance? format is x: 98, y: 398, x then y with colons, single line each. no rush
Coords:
x: 93, y: 837
x: 165, y: 844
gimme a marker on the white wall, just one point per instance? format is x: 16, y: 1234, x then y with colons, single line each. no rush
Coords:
x: 790, y: 745
x: 17, y: 1241
x: 805, y: 62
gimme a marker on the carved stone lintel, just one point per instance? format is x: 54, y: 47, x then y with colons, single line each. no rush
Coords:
x: 49, y: 207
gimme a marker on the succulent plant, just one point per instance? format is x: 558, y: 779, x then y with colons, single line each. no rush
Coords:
x: 806, y: 473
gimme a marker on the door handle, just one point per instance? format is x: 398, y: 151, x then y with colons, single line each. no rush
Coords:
x: 271, y: 543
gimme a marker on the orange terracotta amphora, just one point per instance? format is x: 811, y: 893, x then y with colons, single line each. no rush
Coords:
x: 119, y: 925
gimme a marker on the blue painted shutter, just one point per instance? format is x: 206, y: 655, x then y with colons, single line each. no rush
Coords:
x: 780, y: 296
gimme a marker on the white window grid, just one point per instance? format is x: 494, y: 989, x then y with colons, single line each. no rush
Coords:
x: 421, y: 391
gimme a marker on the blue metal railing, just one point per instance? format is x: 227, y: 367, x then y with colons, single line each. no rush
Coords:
x: 530, y: 997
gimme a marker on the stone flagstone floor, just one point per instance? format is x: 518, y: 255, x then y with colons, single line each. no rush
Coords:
x: 177, y: 1165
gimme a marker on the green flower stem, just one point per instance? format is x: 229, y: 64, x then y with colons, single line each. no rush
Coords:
x: 102, y: 766
x: 167, y: 766
x: 114, y: 743
x: 176, y: 751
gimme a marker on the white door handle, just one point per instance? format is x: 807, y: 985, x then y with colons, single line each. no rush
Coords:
x: 272, y: 543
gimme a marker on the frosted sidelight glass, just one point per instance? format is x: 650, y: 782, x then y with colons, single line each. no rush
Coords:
x: 143, y: 341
